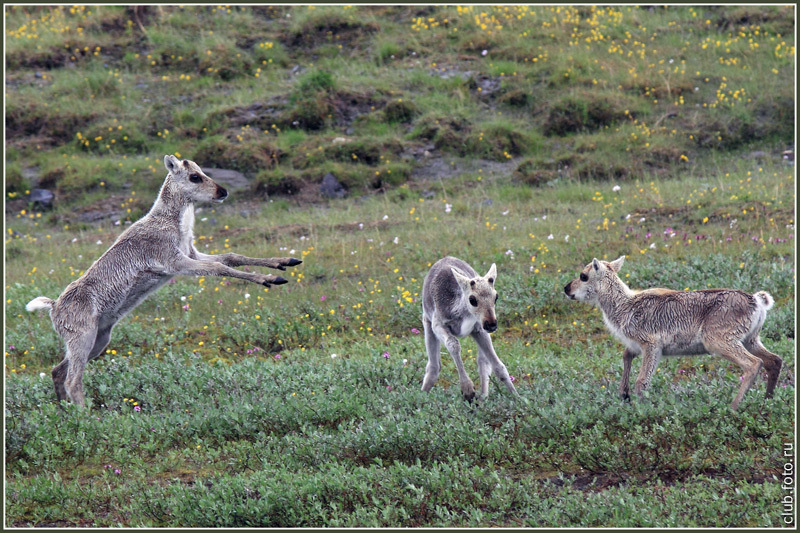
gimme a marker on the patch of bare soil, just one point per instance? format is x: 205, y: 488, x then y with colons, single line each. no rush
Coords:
x: 349, y: 105
x: 331, y: 30
x: 34, y: 120
x: 259, y: 114
x: 343, y: 106
x: 434, y: 167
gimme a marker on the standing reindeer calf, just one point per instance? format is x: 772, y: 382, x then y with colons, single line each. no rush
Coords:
x: 658, y: 322
x: 457, y: 302
x: 145, y: 257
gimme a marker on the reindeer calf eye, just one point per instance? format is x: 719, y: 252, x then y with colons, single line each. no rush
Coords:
x: 584, y: 277
x: 473, y: 301
x: 195, y: 178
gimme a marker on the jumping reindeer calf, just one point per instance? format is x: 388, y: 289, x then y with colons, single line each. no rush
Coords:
x: 145, y: 257
x: 457, y: 302
x: 658, y: 322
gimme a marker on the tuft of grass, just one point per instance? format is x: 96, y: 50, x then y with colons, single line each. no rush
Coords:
x: 584, y: 111
x: 246, y: 151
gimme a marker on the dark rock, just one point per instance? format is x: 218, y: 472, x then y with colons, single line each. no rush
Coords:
x: 428, y: 194
x: 331, y: 188
x: 488, y: 85
x: 41, y: 198
x: 230, y: 179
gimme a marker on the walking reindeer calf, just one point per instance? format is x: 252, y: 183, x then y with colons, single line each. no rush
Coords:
x: 658, y: 322
x: 457, y: 302
x: 146, y: 256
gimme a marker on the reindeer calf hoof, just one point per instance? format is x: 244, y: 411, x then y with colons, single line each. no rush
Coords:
x: 626, y: 398
x: 293, y: 262
x: 468, y: 392
x: 277, y: 281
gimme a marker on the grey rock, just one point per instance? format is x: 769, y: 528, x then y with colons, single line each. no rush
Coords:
x: 230, y: 179
x: 331, y: 188
x: 42, y: 198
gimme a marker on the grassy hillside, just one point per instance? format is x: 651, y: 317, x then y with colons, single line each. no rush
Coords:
x: 655, y: 133
x: 97, y: 95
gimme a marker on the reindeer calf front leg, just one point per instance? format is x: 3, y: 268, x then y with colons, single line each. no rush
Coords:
x: 234, y: 260
x: 651, y: 355
x: 624, y: 386
x: 454, y: 347
x: 192, y: 267
x: 487, y: 356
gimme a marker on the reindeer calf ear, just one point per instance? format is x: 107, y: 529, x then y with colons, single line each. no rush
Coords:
x: 171, y: 163
x: 596, y: 264
x: 492, y: 274
x: 461, y: 278
x: 617, y: 264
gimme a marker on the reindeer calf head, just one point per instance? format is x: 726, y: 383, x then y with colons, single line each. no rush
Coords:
x: 595, y: 278
x: 480, y: 294
x: 188, y: 180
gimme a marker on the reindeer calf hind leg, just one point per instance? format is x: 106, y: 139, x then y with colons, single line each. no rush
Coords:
x: 79, y: 347
x: 59, y: 374
x: 772, y: 363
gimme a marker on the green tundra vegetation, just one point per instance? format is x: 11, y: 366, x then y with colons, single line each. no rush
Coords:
x: 533, y: 137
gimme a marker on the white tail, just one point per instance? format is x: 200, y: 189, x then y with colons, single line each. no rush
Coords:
x: 764, y: 299
x: 37, y: 304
